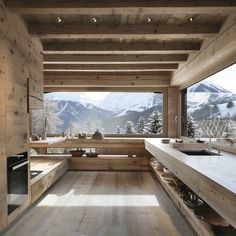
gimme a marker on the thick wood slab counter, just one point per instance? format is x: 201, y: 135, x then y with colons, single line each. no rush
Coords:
x: 52, y: 169
x: 48, y: 141
x: 213, y: 178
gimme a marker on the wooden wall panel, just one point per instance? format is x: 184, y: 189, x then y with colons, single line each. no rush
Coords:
x: 20, y: 60
x: 173, y: 110
x: 214, y: 56
x: 3, y: 183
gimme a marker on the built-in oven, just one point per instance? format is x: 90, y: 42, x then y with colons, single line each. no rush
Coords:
x: 17, y: 180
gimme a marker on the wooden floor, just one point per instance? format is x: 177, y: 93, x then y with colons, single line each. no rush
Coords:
x: 103, y: 203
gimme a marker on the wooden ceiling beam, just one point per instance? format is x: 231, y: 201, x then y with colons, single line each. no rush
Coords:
x: 121, y: 7
x: 103, y: 89
x: 169, y: 31
x: 113, y: 59
x: 111, y: 67
x: 120, y: 47
x: 123, y: 80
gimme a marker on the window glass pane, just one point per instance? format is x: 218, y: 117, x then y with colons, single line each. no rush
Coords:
x: 211, y: 106
x: 111, y: 113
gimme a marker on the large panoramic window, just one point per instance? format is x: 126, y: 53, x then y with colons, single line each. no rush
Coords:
x: 209, y: 106
x: 111, y: 112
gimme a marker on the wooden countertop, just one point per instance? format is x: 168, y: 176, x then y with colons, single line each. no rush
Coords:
x: 217, y: 174
x: 220, y: 169
x: 47, y: 141
x: 45, y: 165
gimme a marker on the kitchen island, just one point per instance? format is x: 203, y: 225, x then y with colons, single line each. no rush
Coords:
x: 213, y: 178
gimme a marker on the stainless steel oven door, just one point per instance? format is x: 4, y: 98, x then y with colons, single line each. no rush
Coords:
x: 17, y: 178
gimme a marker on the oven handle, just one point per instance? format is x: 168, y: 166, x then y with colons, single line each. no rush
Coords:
x: 20, y: 165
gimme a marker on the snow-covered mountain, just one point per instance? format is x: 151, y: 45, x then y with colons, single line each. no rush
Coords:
x: 121, y: 103
x: 207, y: 87
x: 206, y: 99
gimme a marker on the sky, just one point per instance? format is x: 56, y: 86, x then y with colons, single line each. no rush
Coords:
x: 225, y: 78
x: 90, y: 97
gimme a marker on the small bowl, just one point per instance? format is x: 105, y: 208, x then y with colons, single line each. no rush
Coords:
x: 168, y: 178
x: 159, y: 167
x: 165, y: 141
x: 91, y: 154
x: 167, y: 171
x: 77, y: 153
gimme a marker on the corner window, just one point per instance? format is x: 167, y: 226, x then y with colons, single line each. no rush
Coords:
x: 209, y: 106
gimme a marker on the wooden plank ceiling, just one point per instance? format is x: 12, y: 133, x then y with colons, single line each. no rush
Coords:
x: 118, y: 45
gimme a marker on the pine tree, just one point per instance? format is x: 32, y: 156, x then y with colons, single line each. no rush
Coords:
x: 191, y: 126
x: 141, y: 126
x: 118, y: 130
x: 155, y: 122
x: 130, y: 127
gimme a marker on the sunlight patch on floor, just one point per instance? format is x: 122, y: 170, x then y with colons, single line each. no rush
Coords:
x: 100, y: 200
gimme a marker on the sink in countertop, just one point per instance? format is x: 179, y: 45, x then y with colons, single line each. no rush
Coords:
x: 197, y: 152
x: 34, y: 173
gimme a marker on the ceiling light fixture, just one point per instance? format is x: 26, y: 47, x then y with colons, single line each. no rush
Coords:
x: 59, y: 20
x: 149, y: 20
x: 94, y: 20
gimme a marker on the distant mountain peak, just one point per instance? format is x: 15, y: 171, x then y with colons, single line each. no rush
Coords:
x: 207, y: 87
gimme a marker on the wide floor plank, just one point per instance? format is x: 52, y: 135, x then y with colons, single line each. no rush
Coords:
x: 103, y: 204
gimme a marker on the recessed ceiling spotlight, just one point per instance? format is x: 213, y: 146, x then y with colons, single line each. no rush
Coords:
x: 94, y: 20
x: 59, y: 20
x: 149, y: 20
x: 191, y: 19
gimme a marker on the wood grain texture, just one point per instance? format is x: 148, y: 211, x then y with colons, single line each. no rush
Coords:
x: 173, y: 112
x: 111, y: 67
x: 20, y: 59
x: 113, y: 59
x: 211, y: 177
x: 3, y: 168
x: 150, y: 31
x: 213, y: 57
x: 125, y: 7
x: 120, y: 48
x: 200, y: 226
x: 158, y: 81
x: 108, y: 163
x: 104, y: 203
x: 52, y: 169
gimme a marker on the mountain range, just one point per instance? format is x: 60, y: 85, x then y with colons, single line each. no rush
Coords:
x: 204, y: 99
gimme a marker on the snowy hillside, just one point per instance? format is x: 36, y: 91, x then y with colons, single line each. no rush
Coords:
x: 206, y: 99
x: 121, y: 103
x: 207, y: 87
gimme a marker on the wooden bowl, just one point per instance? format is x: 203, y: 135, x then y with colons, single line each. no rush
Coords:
x: 158, y: 166
x: 168, y: 178
x: 77, y: 153
x: 167, y: 171
x: 165, y: 141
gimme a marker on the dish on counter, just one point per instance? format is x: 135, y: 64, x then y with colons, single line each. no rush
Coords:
x: 167, y: 171
x: 165, y: 141
x: 77, y: 153
x: 91, y: 154
x: 169, y: 178
x: 158, y: 166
